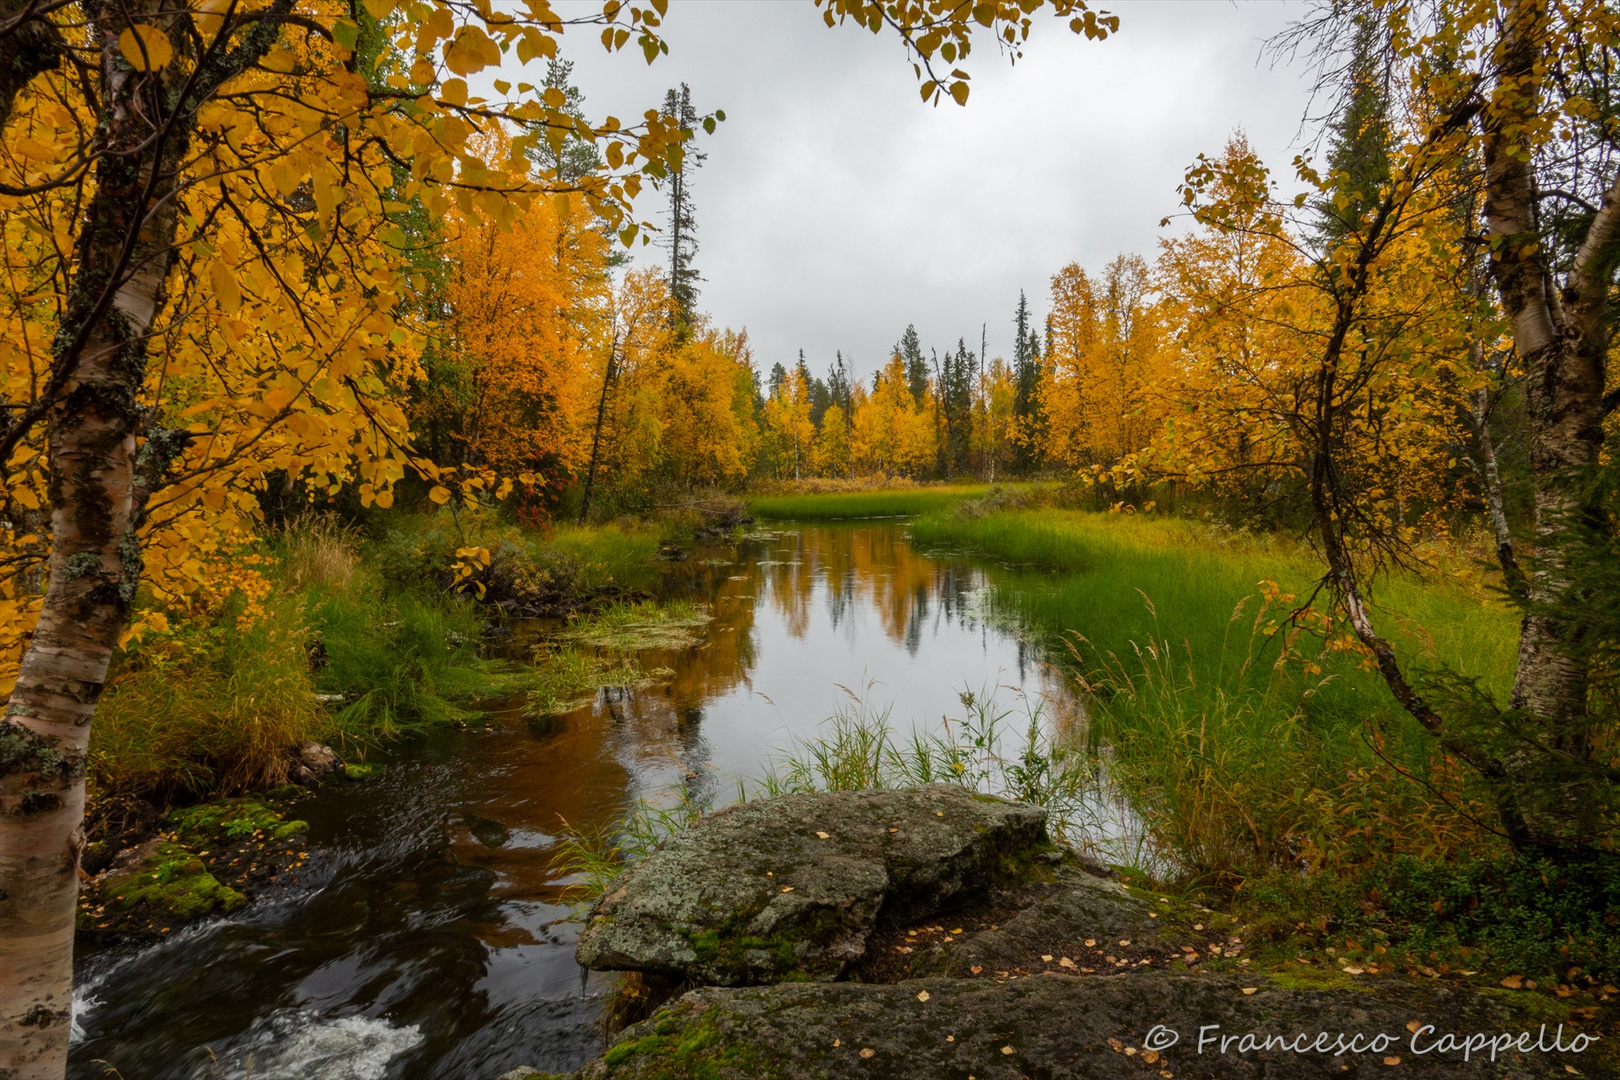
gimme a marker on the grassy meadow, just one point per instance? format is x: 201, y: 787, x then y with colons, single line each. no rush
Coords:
x: 874, y: 503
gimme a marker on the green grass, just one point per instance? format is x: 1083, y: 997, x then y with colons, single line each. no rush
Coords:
x: 885, y: 502
x: 1194, y: 576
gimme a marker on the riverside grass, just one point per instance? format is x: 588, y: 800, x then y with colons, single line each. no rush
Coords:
x: 1238, y: 765
x: 210, y: 707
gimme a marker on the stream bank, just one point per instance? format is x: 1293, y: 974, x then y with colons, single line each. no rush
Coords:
x: 844, y: 939
x: 430, y: 935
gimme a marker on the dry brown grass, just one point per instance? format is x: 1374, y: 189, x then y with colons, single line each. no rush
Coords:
x: 320, y: 552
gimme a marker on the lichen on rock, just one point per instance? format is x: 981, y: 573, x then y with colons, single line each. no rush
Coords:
x: 792, y: 887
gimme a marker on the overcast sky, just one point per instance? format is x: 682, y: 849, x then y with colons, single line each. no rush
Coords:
x: 835, y: 207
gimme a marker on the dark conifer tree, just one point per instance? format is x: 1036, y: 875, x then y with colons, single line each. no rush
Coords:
x: 682, y: 237
x: 910, y: 348
x: 820, y: 397
x: 1026, y: 386
x: 1359, y: 139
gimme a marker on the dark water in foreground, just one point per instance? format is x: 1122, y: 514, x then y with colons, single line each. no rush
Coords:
x: 428, y: 937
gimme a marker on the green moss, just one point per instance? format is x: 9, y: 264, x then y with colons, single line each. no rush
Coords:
x: 171, y: 884
x: 225, y: 820
x: 689, y: 1048
x: 1539, y: 1006
x: 1319, y: 979
x: 362, y: 772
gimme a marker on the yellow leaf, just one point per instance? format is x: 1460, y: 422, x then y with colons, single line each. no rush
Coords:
x: 440, y: 495
x: 454, y: 91
x: 145, y: 47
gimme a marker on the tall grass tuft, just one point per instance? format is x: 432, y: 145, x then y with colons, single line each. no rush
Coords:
x: 318, y: 552
x: 1232, y: 777
x: 209, y: 709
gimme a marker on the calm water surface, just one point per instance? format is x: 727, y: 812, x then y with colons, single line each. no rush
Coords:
x: 429, y: 938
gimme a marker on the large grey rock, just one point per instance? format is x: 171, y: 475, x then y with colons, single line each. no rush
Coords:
x: 1063, y: 1026
x: 792, y: 887
x: 1054, y: 911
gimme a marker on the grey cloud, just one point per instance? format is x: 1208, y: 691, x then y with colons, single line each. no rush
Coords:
x: 835, y: 207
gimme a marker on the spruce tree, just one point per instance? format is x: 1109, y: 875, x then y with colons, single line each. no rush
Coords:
x: 1026, y: 386
x: 1359, y: 139
x: 682, y: 237
x: 572, y: 157
x: 910, y: 348
x: 820, y: 397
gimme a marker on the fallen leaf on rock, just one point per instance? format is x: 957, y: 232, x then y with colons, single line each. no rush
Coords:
x: 1513, y: 982
x: 1130, y: 1051
x: 1066, y: 962
x: 1090, y: 942
x: 922, y: 995
x: 1006, y: 1050
x: 1124, y: 941
x: 1116, y: 1045
x: 893, y: 829
x: 1153, y: 914
x: 1392, y: 1060
x: 1250, y: 989
x: 1572, y: 1070
x: 950, y: 1038
x: 820, y: 835
x: 1047, y: 957
x: 975, y: 969
x: 1414, y: 1026
x: 1198, y: 926
x: 1150, y: 1056
x: 787, y: 888
x: 867, y: 1051
x: 837, y: 1043
x: 958, y: 930
x: 1354, y: 970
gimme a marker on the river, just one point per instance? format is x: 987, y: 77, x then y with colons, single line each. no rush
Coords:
x: 429, y: 937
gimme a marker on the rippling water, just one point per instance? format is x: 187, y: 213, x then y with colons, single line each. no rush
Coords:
x: 428, y: 937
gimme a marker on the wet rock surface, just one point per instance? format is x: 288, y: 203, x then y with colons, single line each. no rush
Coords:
x: 1063, y: 1026
x: 793, y: 887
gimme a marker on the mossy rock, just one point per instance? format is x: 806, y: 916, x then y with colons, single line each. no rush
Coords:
x: 170, y: 884
x: 225, y: 820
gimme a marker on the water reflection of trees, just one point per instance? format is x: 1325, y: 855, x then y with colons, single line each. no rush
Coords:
x: 871, y: 567
x: 788, y: 573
